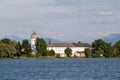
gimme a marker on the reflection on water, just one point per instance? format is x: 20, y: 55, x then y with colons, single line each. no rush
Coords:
x: 60, y: 69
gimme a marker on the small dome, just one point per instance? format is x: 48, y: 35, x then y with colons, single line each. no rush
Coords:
x: 34, y: 35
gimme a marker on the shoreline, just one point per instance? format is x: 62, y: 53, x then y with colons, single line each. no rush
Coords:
x: 59, y: 58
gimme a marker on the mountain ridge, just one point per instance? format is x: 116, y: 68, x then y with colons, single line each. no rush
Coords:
x: 112, y: 38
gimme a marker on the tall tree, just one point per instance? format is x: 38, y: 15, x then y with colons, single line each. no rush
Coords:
x: 7, y: 48
x: 99, y: 53
x: 108, y: 50
x: 68, y: 52
x: 26, y: 46
x: 18, y: 48
x: 87, y: 52
x: 115, y: 52
x: 102, y: 46
x: 41, y: 46
x: 98, y: 44
x: 117, y: 47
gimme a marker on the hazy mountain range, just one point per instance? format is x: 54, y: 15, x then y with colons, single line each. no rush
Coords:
x: 112, y: 38
x: 13, y: 37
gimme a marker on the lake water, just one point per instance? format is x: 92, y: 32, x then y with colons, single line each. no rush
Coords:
x: 60, y: 69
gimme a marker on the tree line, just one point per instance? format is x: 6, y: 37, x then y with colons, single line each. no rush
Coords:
x: 100, y: 48
x: 11, y: 48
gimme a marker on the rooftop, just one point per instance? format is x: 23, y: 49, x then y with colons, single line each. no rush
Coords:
x: 68, y: 45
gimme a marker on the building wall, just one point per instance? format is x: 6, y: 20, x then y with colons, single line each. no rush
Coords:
x: 33, y: 42
x: 75, y: 50
x: 33, y: 46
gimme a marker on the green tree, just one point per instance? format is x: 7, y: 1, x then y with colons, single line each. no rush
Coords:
x: 107, y: 50
x: 117, y: 45
x: 104, y: 46
x: 51, y: 53
x: 41, y: 46
x: 7, y: 51
x: 57, y: 55
x: 117, y: 48
x: 99, y: 53
x: 114, y: 52
x: 6, y: 41
x: 87, y: 52
x: 26, y: 46
x: 9, y: 42
x: 98, y: 44
x: 3, y: 51
x: 18, y: 48
x: 68, y: 52
x: 7, y: 48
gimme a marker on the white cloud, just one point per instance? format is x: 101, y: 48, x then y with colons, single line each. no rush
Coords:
x: 65, y: 19
x: 46, y: 32
x: 106, y: 13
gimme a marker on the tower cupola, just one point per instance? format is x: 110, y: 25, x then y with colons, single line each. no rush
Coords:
x: 34, y: 35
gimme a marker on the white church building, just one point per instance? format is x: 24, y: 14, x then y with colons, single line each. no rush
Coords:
x: 77, y: 48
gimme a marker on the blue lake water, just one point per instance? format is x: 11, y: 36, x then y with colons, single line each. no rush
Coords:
x: 60, y: 69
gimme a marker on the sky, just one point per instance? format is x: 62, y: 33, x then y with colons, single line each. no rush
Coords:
x: 67, y: 20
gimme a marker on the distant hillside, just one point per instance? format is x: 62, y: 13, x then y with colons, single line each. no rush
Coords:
x: 53, y: 40
x: 112, y: 38
x: 13, y: 37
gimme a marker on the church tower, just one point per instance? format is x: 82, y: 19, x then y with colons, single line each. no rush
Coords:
x: 33, y: 42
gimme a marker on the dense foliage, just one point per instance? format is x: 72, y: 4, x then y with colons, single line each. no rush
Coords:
x: 26, y: 48
x: 8, y: 48
x: 11, y: 48
x: 101, y: 48
x: 51, y: 53
x: 41, y: 46
x: 88, y: 53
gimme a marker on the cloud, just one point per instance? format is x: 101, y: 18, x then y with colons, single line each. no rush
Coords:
x: 23, y: 29
x: 63, y: 19
x: 105, y: 13
x: 46, y: 32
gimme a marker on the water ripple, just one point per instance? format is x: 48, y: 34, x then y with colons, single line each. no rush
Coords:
x: 60, y: 69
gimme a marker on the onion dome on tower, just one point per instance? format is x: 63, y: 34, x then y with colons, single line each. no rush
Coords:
x: 34, y: 35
